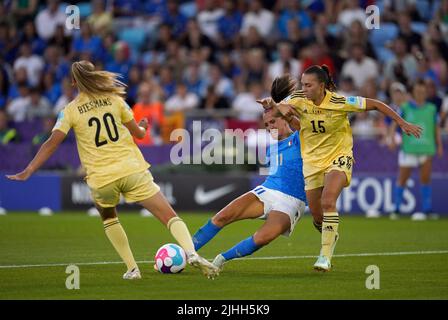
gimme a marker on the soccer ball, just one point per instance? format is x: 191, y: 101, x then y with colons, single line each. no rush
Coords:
x: 170, y: 258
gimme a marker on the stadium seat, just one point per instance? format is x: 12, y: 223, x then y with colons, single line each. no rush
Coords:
x: 387, y: 32
x: 419, y: 27
x: 384, y: 54
x: 188, y: 9
x: 85, y: 9
x: 134, y: 37
x: 424, y: 9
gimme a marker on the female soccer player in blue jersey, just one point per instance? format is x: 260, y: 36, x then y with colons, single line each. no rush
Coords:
x: 280, y: 200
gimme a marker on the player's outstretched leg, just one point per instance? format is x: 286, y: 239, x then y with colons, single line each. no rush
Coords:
x: 244, y: 207
x: 276, y: 224
x: 117, y: 236
x: 161, y: 209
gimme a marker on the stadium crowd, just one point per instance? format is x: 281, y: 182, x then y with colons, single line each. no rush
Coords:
x: 213, y: 58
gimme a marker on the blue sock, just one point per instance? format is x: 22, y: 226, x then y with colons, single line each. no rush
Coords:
x: 398, y: 197
x: 244, y: 248
x: 426, y: 193
x: 205, y: 234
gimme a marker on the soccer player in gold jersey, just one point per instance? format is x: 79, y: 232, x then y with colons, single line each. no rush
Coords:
x: 104, y: 126
x: 326, y: 143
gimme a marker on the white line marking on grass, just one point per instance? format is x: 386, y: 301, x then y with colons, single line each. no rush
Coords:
x: 345, y: 255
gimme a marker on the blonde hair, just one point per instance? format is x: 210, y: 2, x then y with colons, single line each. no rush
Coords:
x: 93, y: 82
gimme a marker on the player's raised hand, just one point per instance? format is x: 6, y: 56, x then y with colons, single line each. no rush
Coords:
x: 267, y: 103
x: 143, y: 123
x: 21, y: 176
x: 410, y: 128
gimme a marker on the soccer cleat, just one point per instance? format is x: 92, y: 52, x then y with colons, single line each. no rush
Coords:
x: 322, y: 264
x: 219, y: 262
x: 132, y: 275
x: 419, y: 216
x: 207, y: 268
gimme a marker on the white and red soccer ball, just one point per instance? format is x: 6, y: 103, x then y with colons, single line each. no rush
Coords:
x: 170, y: 258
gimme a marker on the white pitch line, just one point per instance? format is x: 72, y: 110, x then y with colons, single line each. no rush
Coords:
x: 345, y: 255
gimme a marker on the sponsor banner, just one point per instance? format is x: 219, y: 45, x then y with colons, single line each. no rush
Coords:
x: 375, y: 193
x: 37, y: 192
x: 184, y: 192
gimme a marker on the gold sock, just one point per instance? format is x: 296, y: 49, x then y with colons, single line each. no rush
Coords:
x: 329, y: 233
x: 117, y: 236
x: 180, y: 232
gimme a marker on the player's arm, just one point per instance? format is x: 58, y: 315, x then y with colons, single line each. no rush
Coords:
x: 137, y: 130
x: 408, y: 128
x: 45, y: 152
x: 284, y: 110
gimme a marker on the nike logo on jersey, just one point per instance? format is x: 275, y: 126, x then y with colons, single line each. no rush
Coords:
x: 204, y: 197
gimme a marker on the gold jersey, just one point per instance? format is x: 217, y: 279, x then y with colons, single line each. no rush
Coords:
x: 325, y: 130
x: 105, y: 146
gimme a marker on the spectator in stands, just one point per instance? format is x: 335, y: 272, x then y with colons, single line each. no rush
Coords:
x: 182, y: 100
x: 255, y: 66
x: 18, y: 106
x: 100, y: 20
x: 223, y: 85
x: 30, y: 36
x: 403, y: 67
x: 68, y: 94
x: 213, y: 100
x: 61, y: 40
x: 347, y: 87
x: 20, y: 78
x: 55, y: 63
x: 47, y: 126
x: 24, y: 10
x: 258, y: 17
x: 433, y: 96
x: 228, y: 66
x: 195, y: 39
x: 436, y: 61
x: 149, y: 106
x: 193, y: 80
x: 52, y: 89
x: 4, y: 87
x: 360, y: 67
x: 175, y: 18
x: 351, y: 11
x: 33, y: 64
x: 208, y: 19
x: 126, y: 8
x: 87, y: 42
x: 285, y: 57
x: 245, y: 103
x: 47, y: 20
x: 317, y: 53
x: 38, y: 106
x: 229, y: 25
x: 167, y: 82
x: 412, y: 38
x: 292, y: 11
x: 7, y: 134
x: 356, y: 35
x: 121, y: 63
x: 435, y: 34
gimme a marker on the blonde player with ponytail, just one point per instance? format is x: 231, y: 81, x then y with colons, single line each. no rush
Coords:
x: 104, y: 126
x: 326, y: 143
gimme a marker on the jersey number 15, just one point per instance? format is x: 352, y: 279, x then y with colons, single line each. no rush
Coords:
x: 319, y: 126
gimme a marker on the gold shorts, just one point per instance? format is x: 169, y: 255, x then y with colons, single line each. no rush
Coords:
x: 315, y: 176
x: 135, y: 187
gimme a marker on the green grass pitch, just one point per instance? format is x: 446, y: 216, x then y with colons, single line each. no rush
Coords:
x: 412, y: 258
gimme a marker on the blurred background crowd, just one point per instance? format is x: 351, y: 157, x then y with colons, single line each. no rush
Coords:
x: 211, y: 59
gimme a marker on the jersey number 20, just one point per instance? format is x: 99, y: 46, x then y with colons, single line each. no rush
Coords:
x: 108, y: 117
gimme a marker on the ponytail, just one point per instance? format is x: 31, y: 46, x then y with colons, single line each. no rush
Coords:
x: 282, y: 87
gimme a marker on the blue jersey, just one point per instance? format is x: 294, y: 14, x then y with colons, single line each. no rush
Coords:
x: 285, y: 168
